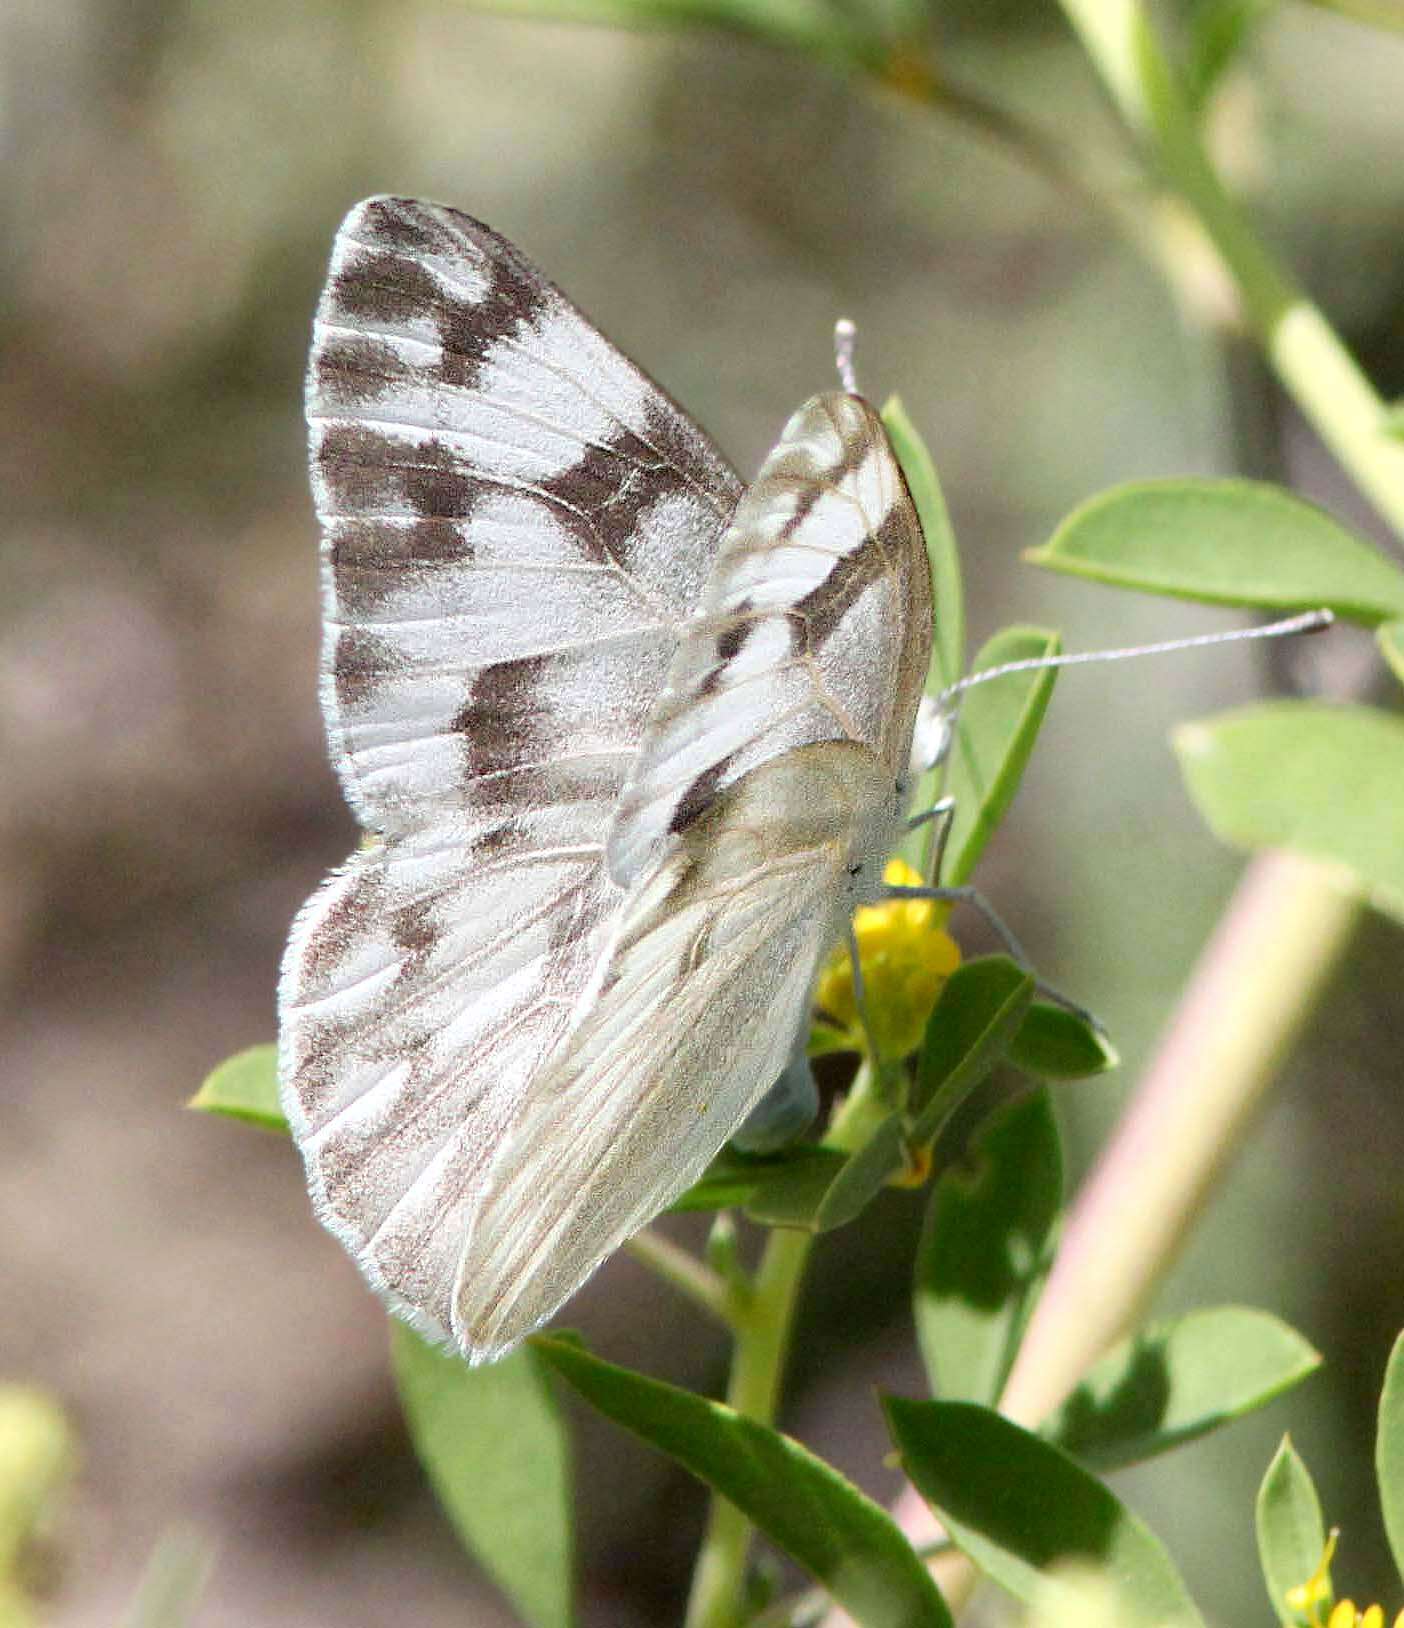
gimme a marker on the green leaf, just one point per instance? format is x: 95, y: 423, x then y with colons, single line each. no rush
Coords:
x: 497, y: 1454
x: 1389, y: 1453
x: 1291, y: 1534
x: 1175, y: 1381
x: 245, y: 1087
x: 863, y: 1176
x: 839, y: 1535
x: 168, y: 1595
x: 948, y: 645
x: 1219, y: 29
x: 38, y: 1453
x: 1325, y: 781
x: 985, y: 1250
x: 1020, y: 1508
x: 779, y: 1189
x: 1390, y: 638
x: 970, y: 1029
x: 1055, y: 1044
x: 999, y: 722
x: 1225, y: 542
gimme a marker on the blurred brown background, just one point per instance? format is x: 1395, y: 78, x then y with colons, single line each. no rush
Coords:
x: 174, y: 172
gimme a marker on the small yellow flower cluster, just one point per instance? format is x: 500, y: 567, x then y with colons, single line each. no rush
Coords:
x: 1309, y: 1599
x: 907, y: 956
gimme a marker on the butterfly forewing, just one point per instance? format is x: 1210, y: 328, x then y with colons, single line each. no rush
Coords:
x: 815, y: 625
x: 515, y: 524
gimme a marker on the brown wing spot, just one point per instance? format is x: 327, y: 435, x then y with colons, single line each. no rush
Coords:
x: 403, y: 223
x: 354, y: 370
x: 372, y: 558
x: 469, y: 330
x: 362, y: 661
x: 384, y: 289
x: 699, y: 796
x: 501, y: 721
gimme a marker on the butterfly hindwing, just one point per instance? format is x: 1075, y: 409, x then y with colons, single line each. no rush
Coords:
x: 515, y: 524
x: 707, y: 982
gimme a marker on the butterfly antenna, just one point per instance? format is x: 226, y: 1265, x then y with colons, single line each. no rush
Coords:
x: 844, y: 336
x: 1308, y: 622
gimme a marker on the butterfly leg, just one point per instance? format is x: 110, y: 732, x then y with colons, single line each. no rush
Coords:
x: 942, y: 815
x: 788, y: 1108
x: 972, y: 896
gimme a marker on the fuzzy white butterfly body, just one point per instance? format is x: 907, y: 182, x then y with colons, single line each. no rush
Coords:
x: 628, y: 743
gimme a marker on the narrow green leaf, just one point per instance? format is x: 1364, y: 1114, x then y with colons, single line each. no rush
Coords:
x: 1177, y: 1380
x: 1325, y: 781
x: 999, y: 722
x: 1219, y: 29
x: 497, y: 1454
x: 977, y: 1016
x: 172, y: 1584
x: 38, y: 1453
x: 1389, y: 1453
x: 805, y: 25
x: 863, y: 1176
x: 948, y: 644
x: 838, y: 1534
x: 985, y: 1250
x: 1291, y: 1534
x: 245, y: 1087
x: 1225, y: 542
x: 1390, y: 638
x: 1055, y: 1044
x: 1020, y: 1508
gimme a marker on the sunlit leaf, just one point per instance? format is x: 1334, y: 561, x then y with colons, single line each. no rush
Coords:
x: 999, y: 722
x: 1174, y: 1381
x: 1291, y: 1534
x: 948, y: 648
x: 245, y: 1087
x: 1024, y: 1512
x: 985, y: 1250
x: 822, y: 1521
x: 1225, y: 542
x: 495, y: 1449
x: 1055, y: 1044
x: 1324, y: 781
x: 1389, y: 1453
x: 1390, y: 638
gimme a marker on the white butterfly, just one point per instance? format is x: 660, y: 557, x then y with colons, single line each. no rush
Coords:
x: 629, y: 743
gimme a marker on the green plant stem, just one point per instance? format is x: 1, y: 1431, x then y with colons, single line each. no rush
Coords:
x: 757, y: 1366
x: 1309, y: 358
x: 689, y: 1276
x: 762, y: 1341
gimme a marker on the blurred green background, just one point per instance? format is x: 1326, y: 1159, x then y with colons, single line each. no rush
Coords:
x: 174, y: 172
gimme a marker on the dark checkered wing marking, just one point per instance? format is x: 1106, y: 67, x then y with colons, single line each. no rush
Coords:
x: 515, y: 524
x: 815, y: 625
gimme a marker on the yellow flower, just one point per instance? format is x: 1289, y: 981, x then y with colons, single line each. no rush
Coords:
x: 1309, y: 1599
x: 907, y: 956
